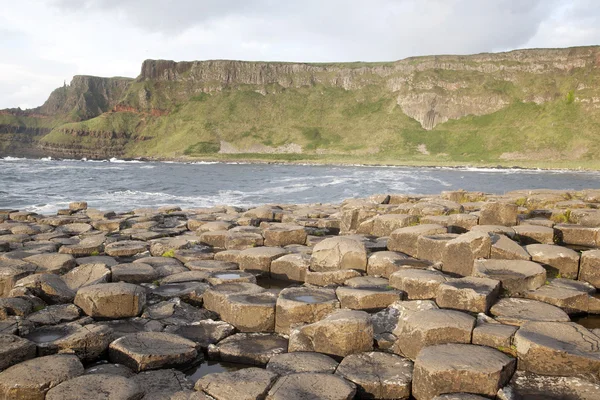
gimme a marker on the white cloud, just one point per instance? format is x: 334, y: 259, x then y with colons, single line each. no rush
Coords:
x: 46, y: 42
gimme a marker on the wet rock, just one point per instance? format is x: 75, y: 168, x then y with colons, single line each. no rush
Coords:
x: 249, y: 348
x: 461, y: 252
x: 98, y: 386
x: 125, y: 248
x: 245, y: 384
x: 367, y: 298
x: 111, y: 300
x: 284, y: 234
x: 53, y: 263
x: 432, y: 327
x: 526, y: 385
x: 468, y: 294
x: 497, y: 213
x: 293, y: 363
x: 418, y: 284
x: 48, y: 287
x: 460, y: 368
x: 253, y: 312
x: 431, y: 247
x: 517, y: 276
x: 309, y: 385
x: 291, y: 267
x: 338, y: 253
x: 559, y: 260
x: 405, y: 239
x: 215, y: 297
x: 341, y: 333
x: 14, y: 350
x: 31, y: 379
x: 204, y: 333
x: 86, y: 275
x: 378, y: 375
x: 151, y: 350
x: 55, y: 314
x: 590, y: 267
x: 303, y: 305
x: 161, y: 384
x: 515, y: 311
x: 504, y: 248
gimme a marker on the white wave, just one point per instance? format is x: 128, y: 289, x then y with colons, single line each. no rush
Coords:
x: 46, y: 159
x: 118, y: 161
x: 47, y: 208
x: 147, y: 167
x: 204, y: 162
x: 9, y: 158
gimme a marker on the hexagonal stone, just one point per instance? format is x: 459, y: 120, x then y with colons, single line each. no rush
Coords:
x: 19, y: 306
x: 86, y: 275
x: 111, y: 300
x: 459, y: 396
x: 55, y: 314
x: 468, y: 294
x: 215, y: 297
x: 517, y: 276
x: 431, y: 327
x: 254, y: 312
x: 431, y: 247
x: 308, y: 385
x: 53, y: 262
x: 14, y: 350
x: 291, y: 267
x: 367, y: 298
x: 461, y: 252
x: 96, y: 387
x: 212, y: 265
x: 219, y: 277
x: 245, y: 384
x: 498, y: 213
x: 133, y: 273
x: 338, y: 253
x: 560, y: 260
x: 151, y: 350
x: 589, y: 270
x: 378, y: 375
x: 384, y: 225
x: 293, y: 363
x: 86, y: 247
x: 48, y: 287
x: 330, y: 278
x: 557, y: 348
x: 526, y: 385
x: 531, y: 234
x: 240, y: 240
x: 125, y: 248
x: 571, y: 301
x: 504, y: 248
x: 204, y: 333
x: 460, y: 368
x: 190, y: 292
x: 162, y: 384
x: 577, y: 234
x: 385, y: 263
x: 513, y: 311
x: 497, y: 336
x: 419, y: 284
x: 249, y: 348
x: 31, y: 379
x: 303, y: 305
x: 405, y: 239
x: 341, y: 333
x: 284, y: 234
x: 87, y: 342
x: 259, y: 259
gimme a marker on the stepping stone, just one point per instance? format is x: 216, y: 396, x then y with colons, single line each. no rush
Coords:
x: 151, y: 350
x: 96, y: 387
x: 461, y: 252
x: 14, y: 350
x: 15, y: 306
x: 249, y: 348
x: 216, y: 297
x: 561, y: 261
x: 571, y: 301
x: 53, y: 263
x: 459, y: 396
x: 338, y: 253
x: 284, y: 234
x: 504, y: 248
x: 577, y: 235
x: 460, y: 368
x: 293, y: 363
x: 405, y: 309
x: 517, y: 276
x: 384, y: 225
x: 385, y: 263
x: 330, y: 278
x: 404, y: 240
x: 303, y: 305
x: 431, y: 247
x: 188, y: 276
x: 291, y: 267
x: 245, y: 384
x: 589, y: 270
x: 557, y: 348
x: 497, y: 336
x: 241, y: 240
x: 513, y: 311
x: 468, y: 294
x: 378, y: 375
x: 87, y: 275
x: 107, y: 261
x: 162, y: 384
x: 56, y: 314
x: 204, y: 333
x: 498, y: 213
x: 341, y: 333
x: 526, y: 385
x: 310, y: 385
x: 86, y: 247
x: 175, y: 312
x: 432, y: 327
x: 87, y: 342
x: 76, y: 228
x: 532, y: 234
x: 48, y: 287
x: 212, y: 265
x: 368, y: 282
x: 218, y: 277
x: 367, y: 298
x: 190, y: 292
x: 215, y: 239
x: 419, y: 284
x: 254, y: 312
x: 111, y: 300
x: 112, y: 369
x: 167, y: 246
x: 133, y: 273
x: 31, y: 379
x: 227, y: 256
x: 125, y: 248
x: 196, y: 253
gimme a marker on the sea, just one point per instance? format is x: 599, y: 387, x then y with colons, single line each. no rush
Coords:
x: 47, y: 185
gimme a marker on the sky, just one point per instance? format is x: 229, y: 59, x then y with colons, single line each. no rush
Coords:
x: 45, y: 42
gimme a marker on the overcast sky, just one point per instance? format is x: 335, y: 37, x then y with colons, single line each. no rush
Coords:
x: 46, y: 42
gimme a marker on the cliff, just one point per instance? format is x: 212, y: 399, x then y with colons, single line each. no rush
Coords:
x: 540, y: 103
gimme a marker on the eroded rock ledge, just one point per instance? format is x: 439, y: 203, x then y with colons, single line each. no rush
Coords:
x: 462, y: 295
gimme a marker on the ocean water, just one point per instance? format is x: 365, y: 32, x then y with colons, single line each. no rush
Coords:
x: 46, y: 185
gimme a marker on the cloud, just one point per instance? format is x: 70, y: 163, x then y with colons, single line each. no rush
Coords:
x: 50, y: 41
